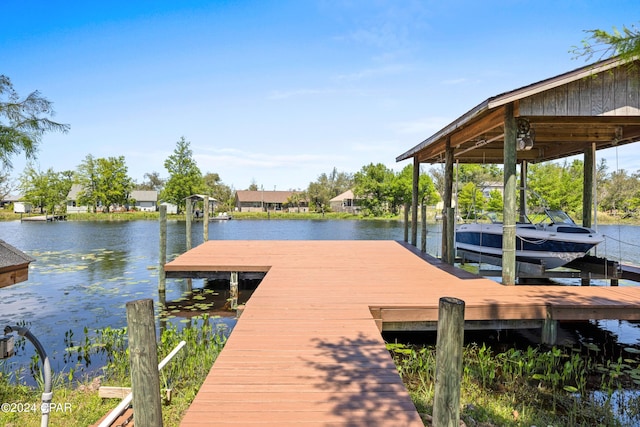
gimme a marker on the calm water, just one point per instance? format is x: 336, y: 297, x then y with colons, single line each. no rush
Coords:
x: 85, y: 272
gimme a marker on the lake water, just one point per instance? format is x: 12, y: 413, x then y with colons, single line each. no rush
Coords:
x: 85, y: 272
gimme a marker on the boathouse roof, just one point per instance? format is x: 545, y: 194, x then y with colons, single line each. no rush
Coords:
x: 14, y: 264
x: 563, y: 115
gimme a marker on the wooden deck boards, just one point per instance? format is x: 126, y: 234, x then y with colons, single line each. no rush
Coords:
x: 307, y: 351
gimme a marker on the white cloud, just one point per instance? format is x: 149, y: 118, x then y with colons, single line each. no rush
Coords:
x: 393, y: 69
x: 231, y: 157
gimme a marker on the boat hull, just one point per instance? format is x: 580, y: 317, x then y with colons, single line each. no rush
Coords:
x: 551, y: 247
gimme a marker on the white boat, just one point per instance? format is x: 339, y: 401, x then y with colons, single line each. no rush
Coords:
x: 222, y: 216
x: 553, y: 241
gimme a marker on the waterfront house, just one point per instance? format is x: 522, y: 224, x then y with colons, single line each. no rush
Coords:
x: 345, y: 202
x: 9, y: 200
x: 265, y: 201
x: 144, y: 200
x: 72, y: 200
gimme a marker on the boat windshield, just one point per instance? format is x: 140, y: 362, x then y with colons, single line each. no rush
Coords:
x: 559, y: 217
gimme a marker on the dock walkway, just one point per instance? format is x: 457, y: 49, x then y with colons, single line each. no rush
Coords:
x: 307, y: 349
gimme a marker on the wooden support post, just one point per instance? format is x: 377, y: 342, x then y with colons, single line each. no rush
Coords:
x: 423, y: 241
x: 189, y: 218
x: 509, y: 210
x: 414, y: 201
x: 205, y: 219
x: 143, y: 355
x: 549, y: 334
x: 407, y: 206
x: 447, y: 228
x: 163, y: 249
x: 588, y: 190
x: 449, y: 348
x: 588, y: 186
x: 233, y: 291
x: 450, y: 218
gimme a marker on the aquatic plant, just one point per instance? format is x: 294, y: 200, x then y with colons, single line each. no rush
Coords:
x: 205, y: 338
x: 536, y: 386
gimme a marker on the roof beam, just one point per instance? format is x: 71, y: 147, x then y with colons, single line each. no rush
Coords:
x: 475, y: 130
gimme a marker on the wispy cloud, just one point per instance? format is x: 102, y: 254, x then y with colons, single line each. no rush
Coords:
x: 231, y: 157
x: 386, y: 70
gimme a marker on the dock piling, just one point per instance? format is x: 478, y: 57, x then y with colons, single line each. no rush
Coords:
x: 449, y: 346
x: 549, y: 334
x: 233, y: 291
x: 205, y: 220
x: 163, y: 249
x: 143, y: 355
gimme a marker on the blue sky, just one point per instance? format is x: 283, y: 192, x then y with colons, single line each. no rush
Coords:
x: 279, y: 92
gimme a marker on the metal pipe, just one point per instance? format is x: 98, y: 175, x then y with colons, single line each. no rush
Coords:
x: 47, y: 394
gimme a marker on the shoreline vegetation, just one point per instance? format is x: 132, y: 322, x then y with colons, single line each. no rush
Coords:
x: 5, y: 215
x: 78, y: 403
x: 502, y: 385
x: 532, y: 386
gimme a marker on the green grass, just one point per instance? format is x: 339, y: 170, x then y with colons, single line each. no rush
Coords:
x: 543, y: 387
x: 78, y: 403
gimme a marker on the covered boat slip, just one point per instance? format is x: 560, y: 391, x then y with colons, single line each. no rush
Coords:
x: 576, y: 113
x: 307, y: 349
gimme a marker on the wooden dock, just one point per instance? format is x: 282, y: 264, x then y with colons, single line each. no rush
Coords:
x: 307, y: 349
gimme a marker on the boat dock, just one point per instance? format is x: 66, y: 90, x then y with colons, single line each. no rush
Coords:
x: 307, y: 349
x: 46, y: 218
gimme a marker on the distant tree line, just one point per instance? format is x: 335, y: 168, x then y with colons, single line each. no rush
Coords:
x: 379, y: 190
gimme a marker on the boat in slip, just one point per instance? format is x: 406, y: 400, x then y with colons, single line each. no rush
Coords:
x: 551, y: 240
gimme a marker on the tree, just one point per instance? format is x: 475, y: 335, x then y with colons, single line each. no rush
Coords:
x: 152, y: 182
x: 46, y: 190
x: 23, y: 122
x: 403, y: 188
x: 328, y: 186
x: 470, y: 200
x: 6, y: 185
x: 114, y: 184
x: 87, y: 178
x: 480, y: 175
x: 185, y: 178
x: 560, y: 185
x: 620, y: 192
x: 604, y: 44
x: 215, y: 188
x: 373, y: 187
x: 495, y: 202
x: 296, y: 199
